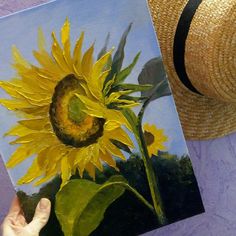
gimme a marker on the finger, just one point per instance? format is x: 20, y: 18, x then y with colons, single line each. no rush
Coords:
x: 20, y: 220
x: 15, y: 207
x: 41, y: 215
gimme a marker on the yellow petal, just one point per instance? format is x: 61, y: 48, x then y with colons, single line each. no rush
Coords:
x: 106, y: 157
x: 36, y: 110
x: 14, y: 105
x: 22, y: 152
x: 35, y: 124
x: 51, y: 69
x: 41, y: 137
x: 41, y: 101
x: 65, y: 171
x: 84, y: 85
x: 58, y: 152
x: 71, y: 157
x: 114, y: 150
x: 65, y: 39
x: 21, y: 94
x: 91, y: 170
x: 77, y: 71
x: 67, y: 55
x: 83, y: 158
x: 78, y: 155
x: 111, y: 125
x: 49, y: 158
x: 117, y: 116
x: 92, y: 108
x: 114, y: 97
x: 101, y: 79
x: 42, y: 158
x: 98, y: 110
x: 11, y: 89
x: 18, y: 58
x: 87, y: 62
x: 65, y: 32
x: 30, y: 80
x: 77, y: 55
x: 58, y: 55
x: 96, y: 85
x: 33, y: 172
x: 120, y: 135
x: 99, y: 66
x: 95, y: 156
x: 46, y: 178
x: 14, y: 84
x: 18, y: 130
x: 19, y: 91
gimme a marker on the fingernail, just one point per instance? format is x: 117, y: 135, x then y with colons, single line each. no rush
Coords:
x: 44, y: 203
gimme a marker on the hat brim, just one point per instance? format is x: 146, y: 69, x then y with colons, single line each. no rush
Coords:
x: 201, y: 117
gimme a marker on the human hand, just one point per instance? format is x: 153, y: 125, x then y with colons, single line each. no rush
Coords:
x: 15, y: 224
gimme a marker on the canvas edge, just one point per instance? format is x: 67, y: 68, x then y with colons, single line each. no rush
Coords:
x: 27, y: 9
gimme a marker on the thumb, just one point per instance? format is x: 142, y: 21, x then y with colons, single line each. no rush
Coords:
x: 41, y: 215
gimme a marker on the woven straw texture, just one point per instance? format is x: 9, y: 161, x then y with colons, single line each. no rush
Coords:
x: 210, y: 60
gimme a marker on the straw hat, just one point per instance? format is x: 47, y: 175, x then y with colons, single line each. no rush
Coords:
x: 198, y: 43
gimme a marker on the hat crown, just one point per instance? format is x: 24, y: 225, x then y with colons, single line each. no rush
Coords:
x: 201, y: 117
x: 210, y: 52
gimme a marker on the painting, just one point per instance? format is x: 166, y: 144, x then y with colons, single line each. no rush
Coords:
x: 88, y: 120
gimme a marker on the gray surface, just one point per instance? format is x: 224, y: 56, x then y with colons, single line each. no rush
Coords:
x: 214, y: 163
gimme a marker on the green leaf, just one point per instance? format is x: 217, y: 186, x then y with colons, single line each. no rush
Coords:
x: 162, y: 89
x: 154, y: 73
x: 119, y: 55
x: 122, y: 105
x: 103, y: 52
x: 132, y: 119
x: 121, y: 146
x: 81, y: 204
x: 109, y: 64
x: 104, y: 49
x: 133, y: 87
x: 108, y: 86
x: 132, y: 98
x: 126, y: 72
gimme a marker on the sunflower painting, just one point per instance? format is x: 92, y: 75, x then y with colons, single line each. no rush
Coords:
x: 67, y: 119
x: 88, y: 120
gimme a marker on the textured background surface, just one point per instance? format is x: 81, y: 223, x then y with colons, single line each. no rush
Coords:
x: 214, y: 163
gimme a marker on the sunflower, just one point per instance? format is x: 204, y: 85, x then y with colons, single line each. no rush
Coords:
x: 66, y: 123
x: 154, y: 138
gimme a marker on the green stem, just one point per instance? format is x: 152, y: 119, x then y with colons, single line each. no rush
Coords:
x: 152, y: 178
x: 134, y: 191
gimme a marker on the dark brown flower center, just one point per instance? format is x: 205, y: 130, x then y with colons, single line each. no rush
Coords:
x: 70, y: 123
x: 149, y: 138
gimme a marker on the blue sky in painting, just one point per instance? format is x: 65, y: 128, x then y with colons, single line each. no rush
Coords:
x: 96, y: 18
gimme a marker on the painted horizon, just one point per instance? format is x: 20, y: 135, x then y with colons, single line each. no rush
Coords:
x: 97, y: 21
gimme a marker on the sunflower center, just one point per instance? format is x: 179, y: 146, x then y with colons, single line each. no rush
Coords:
x: 75, y: 110
x: 149, y: 138
x: 70, y: 123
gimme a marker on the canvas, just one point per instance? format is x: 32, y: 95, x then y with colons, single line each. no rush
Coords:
x: 88, y: 119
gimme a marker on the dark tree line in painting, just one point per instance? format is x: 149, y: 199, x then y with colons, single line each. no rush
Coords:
x: 127, y: 215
